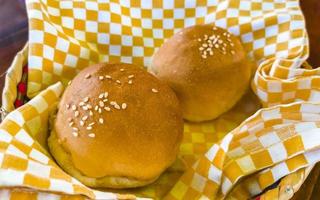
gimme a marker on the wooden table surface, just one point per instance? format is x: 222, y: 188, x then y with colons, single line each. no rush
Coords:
x: 14, y: 35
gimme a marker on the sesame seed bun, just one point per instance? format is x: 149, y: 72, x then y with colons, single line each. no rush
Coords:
x: 207, y: 67
x: 117, y: 126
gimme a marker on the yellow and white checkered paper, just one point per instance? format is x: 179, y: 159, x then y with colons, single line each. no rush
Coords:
x: 277, y: 143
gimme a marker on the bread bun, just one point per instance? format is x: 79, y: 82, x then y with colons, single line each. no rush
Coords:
x: 117, y: 126
x: 207, y: 67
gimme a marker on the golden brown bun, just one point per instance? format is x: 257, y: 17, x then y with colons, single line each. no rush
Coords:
x: 206, y: 85
x: 133, y: 143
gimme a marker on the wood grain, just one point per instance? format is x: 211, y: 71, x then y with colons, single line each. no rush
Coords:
x: 311, y: 10
x: 13, y: 33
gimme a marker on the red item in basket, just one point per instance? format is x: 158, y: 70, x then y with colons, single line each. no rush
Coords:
x: 22, y: 88
x: 18, y: 103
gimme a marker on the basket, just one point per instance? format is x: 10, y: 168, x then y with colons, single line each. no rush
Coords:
x: 13, y: 77
x: 288, y: 186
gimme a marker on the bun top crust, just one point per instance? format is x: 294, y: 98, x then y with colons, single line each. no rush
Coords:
x: 119, y: 120
x: 197, y: 52
x: 207, y: 67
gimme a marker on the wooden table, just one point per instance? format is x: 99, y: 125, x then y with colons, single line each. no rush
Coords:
x: 14, y: 35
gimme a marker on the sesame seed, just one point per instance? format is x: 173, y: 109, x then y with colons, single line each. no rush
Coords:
x: 81, y: 103
x: 107, y: 108
x: 67, y: 106
x: 99, y: 110
x: 86, y: 99
x: 216, y: 46
x: 106, y: 94
x: 71, y: 124
x: 88, y: 76
x: 225, y: 33
x: 233, y: 52
x: 101, y: 104
x: 105, y: 100
x: 96, y: 108
x: 220, y: 41
x: 92, y: 135
x: 124, y: 106
x: 84, y: 118
x: 205, y: 37
x: 224, y: 53
x: 81, y: 123
x: 75, y: 134
x: 154, y: 90
x: 75, y: 129
x: 89, y: 128
x: 211, y: 53
x: 91, y: 124
x: 69, y: 83
x: 199, y: 39
x: 203, y: 56
x: 204, y: 45
x: 130, y: 81
x: 231, y: 44
x: 89, y: 106
x: 113, y: 103
x: 100, y: 120
x: 76, y: 113
x: 90, y: 113
x: 116, y: 106
x: 215, y: 40
x: 121, y: 70
x: 131, y: 76
x: 74, y: 107
x: 108, y: 76
x: 85, y: 108
x: 69, y: 119
x: 224, y: 44
x: 229, y: 40
x: 101, y: 95
x: 214, y: 28
x: 118, y: 81
x: 100, y: 78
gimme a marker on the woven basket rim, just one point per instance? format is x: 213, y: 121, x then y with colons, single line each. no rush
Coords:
x: 12, y: 78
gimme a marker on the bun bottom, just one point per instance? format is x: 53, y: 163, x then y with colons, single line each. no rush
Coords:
x: 65, y: 162
x: 210, y: 112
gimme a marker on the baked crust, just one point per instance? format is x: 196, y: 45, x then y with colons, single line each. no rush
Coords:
x: 64, y: 159
x: 132, y: 134
x: 208, y: 69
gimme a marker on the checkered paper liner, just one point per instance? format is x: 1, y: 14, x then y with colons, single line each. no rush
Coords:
x: 276, y: 143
